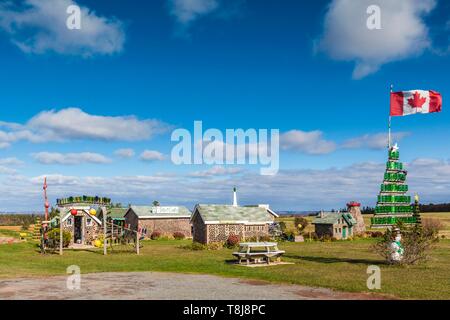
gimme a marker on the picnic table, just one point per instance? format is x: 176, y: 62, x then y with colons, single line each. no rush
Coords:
x: 258, y: 252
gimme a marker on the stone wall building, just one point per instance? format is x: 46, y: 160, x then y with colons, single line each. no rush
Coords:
x: 339, y: 225
x: 214, y: 223
x: 166, y: 220
x: 83, y: 226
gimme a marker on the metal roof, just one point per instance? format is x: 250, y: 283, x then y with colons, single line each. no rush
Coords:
x: 333, y: 217
x: 160, y: 211
x: 233, y: 214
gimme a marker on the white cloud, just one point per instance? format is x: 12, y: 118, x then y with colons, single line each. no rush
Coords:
x: 373, y: 141
x: 10, y: 162
x: 309, y: 142
x: 70, y: 158
x: 346, y: 36
x: 152, y: 155
x: 290, y: 189
x: 186, y: 11
x: 216, y: 171
x: 39, y: 26
x: 124, y: 153
x: 75, y: 124
x: 7, y: 170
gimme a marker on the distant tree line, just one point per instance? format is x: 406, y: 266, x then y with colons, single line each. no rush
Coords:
x: 8, y: 219
x: 431, y: 207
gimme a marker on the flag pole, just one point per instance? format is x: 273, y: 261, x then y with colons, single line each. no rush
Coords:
x: 389, y: 124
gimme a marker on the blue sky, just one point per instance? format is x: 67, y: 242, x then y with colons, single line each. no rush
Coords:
x: 137, y: 71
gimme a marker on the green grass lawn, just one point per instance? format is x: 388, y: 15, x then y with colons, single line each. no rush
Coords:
x: 337, y: 265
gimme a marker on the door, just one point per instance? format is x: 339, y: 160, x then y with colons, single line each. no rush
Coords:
x: 78, y: 230
x: 344, y: 232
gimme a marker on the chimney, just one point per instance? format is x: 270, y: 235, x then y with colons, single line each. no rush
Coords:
x: 321, y: 213
x: 234, y: 198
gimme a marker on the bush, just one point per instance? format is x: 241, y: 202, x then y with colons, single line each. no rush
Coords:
x: 155, y: 235
x: 374, y: 234
x: 232, y: 241
x: 215, y: 245
x: 325, y: 238
x: 195, y: 246
x: 178, y: 235
x: 300, y: 223
x: 54, y: 235
x: 417, y: 242
x: 432, y: 226
x: 289, y: 235
x: 261, y: 238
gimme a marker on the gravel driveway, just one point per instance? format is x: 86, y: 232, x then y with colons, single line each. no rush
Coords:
x: 164, y: 286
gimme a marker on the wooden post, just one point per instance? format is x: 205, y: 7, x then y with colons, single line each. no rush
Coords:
x: 112, y: 232
x: 60, y: 234
x: 104, y: 231
x: 137, y: 242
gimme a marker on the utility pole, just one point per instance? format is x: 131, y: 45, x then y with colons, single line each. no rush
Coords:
x: 104, y: 230
x: 60, y: 234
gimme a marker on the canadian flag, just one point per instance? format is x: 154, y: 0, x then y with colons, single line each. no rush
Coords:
x: 404, y: 103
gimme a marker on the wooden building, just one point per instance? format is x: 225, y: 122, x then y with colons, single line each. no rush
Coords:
x: 214, y: 223
x: 339, y: 225
x: 164, y: 219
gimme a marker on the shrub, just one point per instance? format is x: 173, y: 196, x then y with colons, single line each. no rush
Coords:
x: 265, y: 238
x: 432, y: 226
x: 374, y: 234
x: 54, y: 235
x: 178, y: 235
x: 417, y: 242
x: 325, y: 238
x: 300, y: 223
x: 261, y: 238
x: 155, y: 235
x: 232, y: 241
x: 196, y: 246
x: 289, y: 235
x: 333, y: 239
x: 215, y: 245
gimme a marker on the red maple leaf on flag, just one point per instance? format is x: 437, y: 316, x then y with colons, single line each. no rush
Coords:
x: 417, y: 101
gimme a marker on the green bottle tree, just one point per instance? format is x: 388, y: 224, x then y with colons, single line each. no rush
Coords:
x: 393, y: 204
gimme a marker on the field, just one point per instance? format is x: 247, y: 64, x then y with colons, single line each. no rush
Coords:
x: 340, y: 265
x: 444, y: 217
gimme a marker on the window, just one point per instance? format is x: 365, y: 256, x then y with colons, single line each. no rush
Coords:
x: 69, y: 221
x: 88, y: 222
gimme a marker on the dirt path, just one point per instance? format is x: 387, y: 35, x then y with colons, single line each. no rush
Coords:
x: 164, y: 286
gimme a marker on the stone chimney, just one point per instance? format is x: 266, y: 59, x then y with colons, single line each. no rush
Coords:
x: 235, y: 204
x: 354, y: 208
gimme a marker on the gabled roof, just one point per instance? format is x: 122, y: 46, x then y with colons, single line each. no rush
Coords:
x: 116, y: 213
x: 333, y: 217
x: 154, y: 212
x: 66, y: 214
x: 227, y: 214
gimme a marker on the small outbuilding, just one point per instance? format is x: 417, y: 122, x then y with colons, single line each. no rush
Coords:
x: 214, y: 223
x: 339, y: 225
x: 165, y: 219
x: 82, y: 224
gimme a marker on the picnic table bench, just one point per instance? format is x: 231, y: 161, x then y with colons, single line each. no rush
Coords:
x: 258, y: 252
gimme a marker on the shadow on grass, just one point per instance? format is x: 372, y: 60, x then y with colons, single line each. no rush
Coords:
x: 337, y: 260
